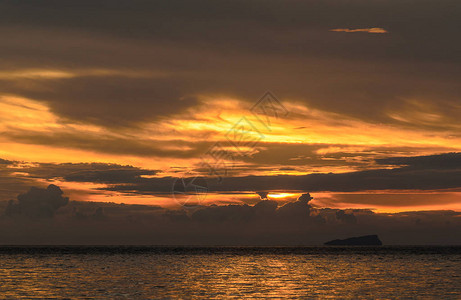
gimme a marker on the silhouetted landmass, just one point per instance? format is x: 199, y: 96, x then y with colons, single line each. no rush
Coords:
x: 367, y: 240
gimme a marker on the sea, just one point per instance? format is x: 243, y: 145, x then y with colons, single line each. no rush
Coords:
x: 122, y: 272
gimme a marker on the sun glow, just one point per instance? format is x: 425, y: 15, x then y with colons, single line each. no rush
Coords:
x: 281, y: 195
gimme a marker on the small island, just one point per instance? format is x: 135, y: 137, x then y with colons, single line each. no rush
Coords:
x: 367, y: 240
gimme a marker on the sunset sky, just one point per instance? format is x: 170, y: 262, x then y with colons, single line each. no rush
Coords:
x: 114, y: 102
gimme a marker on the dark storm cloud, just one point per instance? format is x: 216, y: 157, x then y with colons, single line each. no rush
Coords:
x: 11, y: 185
x: 237, y: 48
x: 415, y: 173
x: 348, y: 218
x: 37, y: 203
x: 310, y: 155
x: 5, y: 162
x: 88, y: 172
x: 237, y: 23
x: 24, y: 175
x: 431, y: 177
x: 295, y: 223
x: 442, y: 161
x: 382, y: 179
x: 262, y: 210
x: 87, y: 99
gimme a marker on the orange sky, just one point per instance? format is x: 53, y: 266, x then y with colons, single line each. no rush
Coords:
x: 348, y: 145
x: 366, y: 110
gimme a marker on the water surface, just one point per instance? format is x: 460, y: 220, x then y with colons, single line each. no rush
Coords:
x: 237, y: 272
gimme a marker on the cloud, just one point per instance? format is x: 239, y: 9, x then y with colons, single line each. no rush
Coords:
x: 115, y: 86
x: 227, y: 213
x: 88, y: 172
x: 430, y: 177
x: 401, y: 181
x: 37, y: 203
x: 11, y: 182
x: 346, y: 217
x: 98, y: 214
x: 5, y: 162
x: 367, y: 30
x: 38, y: 74
x: 299, y: 209
x: 265, y: 208
x: 446, y: 161
x: 227, y: 58
x: 110, y: 144
x: 19, y: 175
x: 260, y: 224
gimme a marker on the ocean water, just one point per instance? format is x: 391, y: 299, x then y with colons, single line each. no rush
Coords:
x: 237, y: 272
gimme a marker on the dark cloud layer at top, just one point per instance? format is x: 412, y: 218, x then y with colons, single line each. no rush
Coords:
x: 236, y: 23
x: 238, y: 48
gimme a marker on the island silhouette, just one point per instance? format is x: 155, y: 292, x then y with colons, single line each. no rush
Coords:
x: 366, y: 240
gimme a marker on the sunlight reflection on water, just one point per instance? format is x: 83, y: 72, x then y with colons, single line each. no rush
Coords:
x: 239, y: 273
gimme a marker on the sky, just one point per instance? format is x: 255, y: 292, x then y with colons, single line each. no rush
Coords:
x: 135, y: 102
